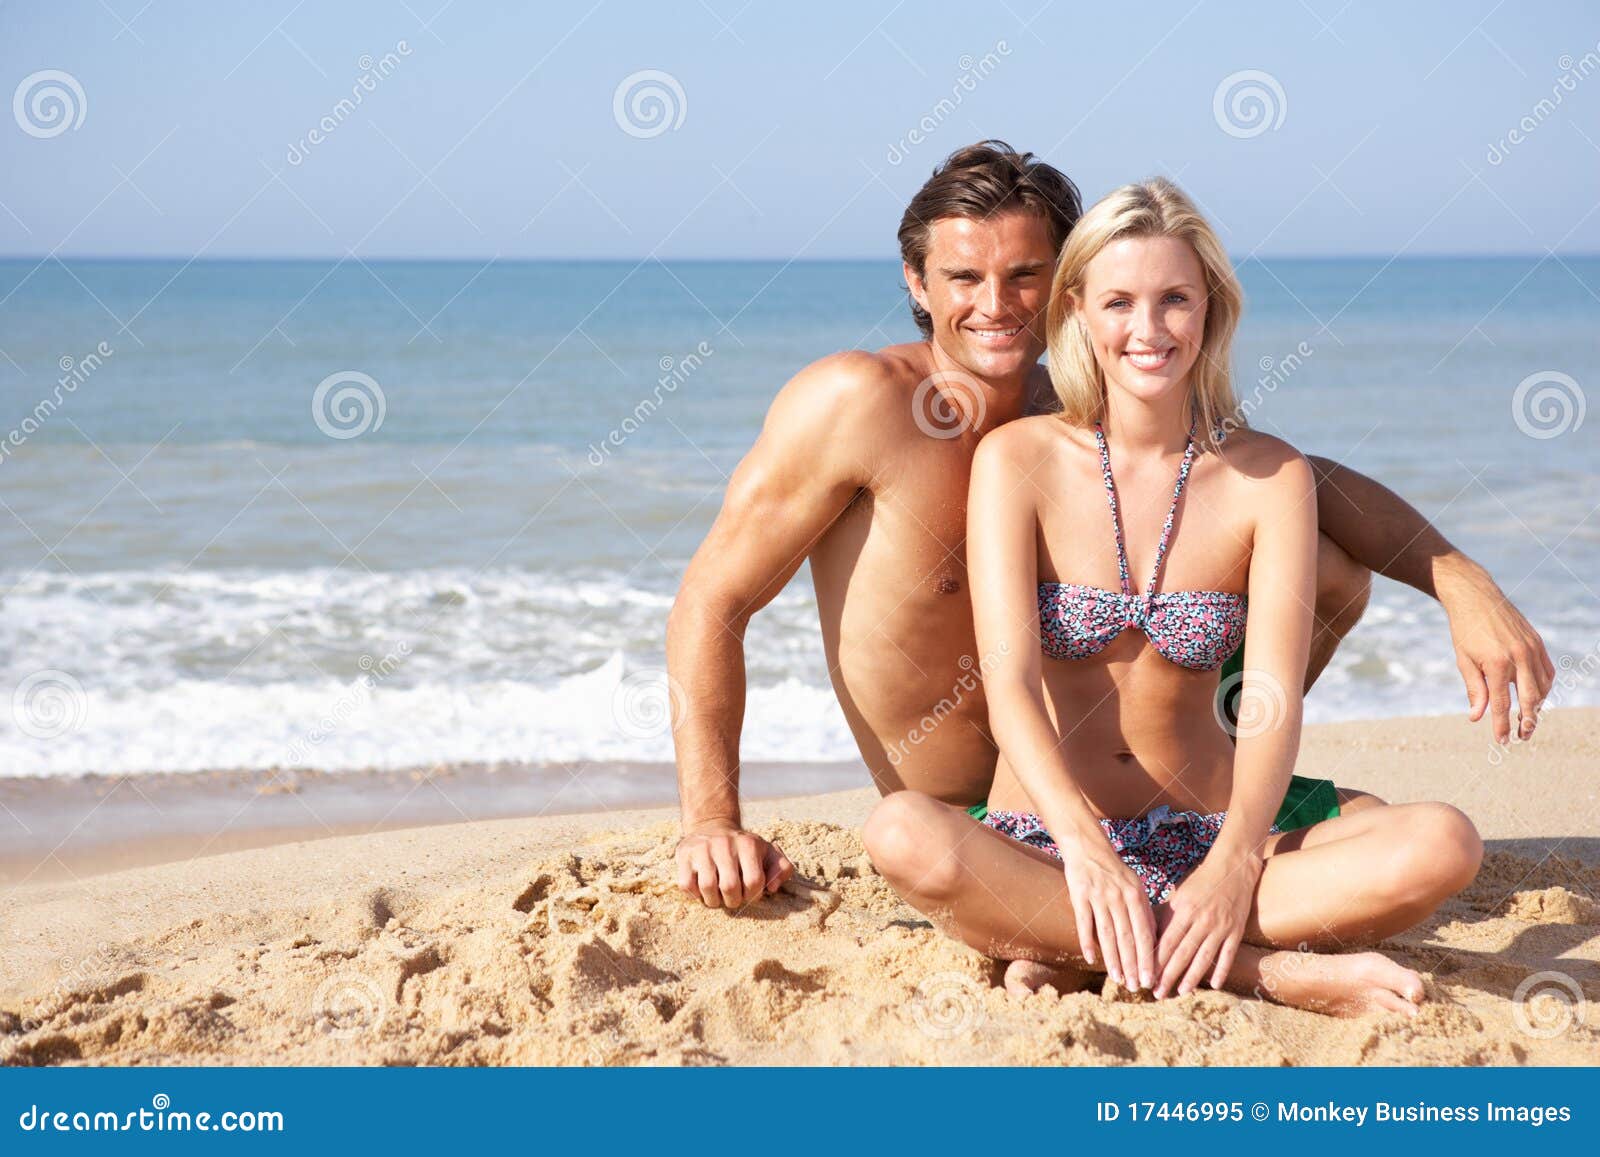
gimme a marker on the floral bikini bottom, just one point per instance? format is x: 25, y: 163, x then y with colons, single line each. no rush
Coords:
x: 1162, y: 847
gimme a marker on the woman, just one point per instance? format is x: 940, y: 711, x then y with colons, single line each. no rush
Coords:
x: 1113, y: 549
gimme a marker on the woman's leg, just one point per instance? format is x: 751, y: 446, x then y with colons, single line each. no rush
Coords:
x: 1362, y: 876
x: 1010, y: 902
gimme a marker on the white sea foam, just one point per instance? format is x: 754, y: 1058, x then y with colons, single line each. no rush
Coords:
x: 187, y: 671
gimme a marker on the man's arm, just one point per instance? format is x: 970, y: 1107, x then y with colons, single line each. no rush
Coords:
x: 802, y: 473
x: 1495, y: 645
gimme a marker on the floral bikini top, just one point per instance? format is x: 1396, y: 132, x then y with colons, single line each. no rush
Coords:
x: 1195, y: 629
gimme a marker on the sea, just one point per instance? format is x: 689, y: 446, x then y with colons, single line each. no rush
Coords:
x: 360, y: 514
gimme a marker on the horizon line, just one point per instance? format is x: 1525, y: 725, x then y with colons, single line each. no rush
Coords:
x: 242, y: 258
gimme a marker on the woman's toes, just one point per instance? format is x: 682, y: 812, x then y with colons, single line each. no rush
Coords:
x: 1025, y: 977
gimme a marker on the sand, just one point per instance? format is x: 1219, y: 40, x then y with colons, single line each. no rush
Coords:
x: 561, y: 941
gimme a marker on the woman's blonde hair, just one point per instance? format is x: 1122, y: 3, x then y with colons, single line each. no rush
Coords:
x: 1153, y: 208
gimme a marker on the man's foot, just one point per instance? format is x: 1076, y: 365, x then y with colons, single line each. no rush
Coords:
x: 1343, y: 985
x: 1029, y: 976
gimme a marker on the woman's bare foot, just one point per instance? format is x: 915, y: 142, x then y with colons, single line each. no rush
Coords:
x: 1339, y: 985
x: 1028, y: 976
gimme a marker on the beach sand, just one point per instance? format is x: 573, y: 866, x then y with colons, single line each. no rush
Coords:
x: 561, y: 940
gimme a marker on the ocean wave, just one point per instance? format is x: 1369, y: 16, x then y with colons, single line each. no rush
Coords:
x: 616, y: 712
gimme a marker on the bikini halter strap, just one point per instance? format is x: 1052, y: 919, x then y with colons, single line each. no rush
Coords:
x: 1116, y: 520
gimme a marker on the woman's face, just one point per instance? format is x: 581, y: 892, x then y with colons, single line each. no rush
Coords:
x: 1144, y: 304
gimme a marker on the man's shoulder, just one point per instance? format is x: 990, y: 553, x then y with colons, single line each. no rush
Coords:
x: 856, y: 382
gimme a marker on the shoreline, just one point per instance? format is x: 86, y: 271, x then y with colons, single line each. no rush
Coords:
x: 57, y: 827
x: 562, y: 939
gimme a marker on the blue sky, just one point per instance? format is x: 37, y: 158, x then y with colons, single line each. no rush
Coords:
x: 497, y: 132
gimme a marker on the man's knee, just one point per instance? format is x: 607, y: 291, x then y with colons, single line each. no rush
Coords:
x: 905, y: 836
x: 1344, y: 587
x: 1353, y: 800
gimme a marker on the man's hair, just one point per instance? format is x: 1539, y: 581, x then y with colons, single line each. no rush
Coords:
x: 981, y: 181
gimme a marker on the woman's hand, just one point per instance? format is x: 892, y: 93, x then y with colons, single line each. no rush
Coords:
x: 1113, y: 913
x: 1209, y: 910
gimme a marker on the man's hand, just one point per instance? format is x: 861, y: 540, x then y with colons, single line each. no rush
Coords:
x: 1496, y: 647
x: 726, y: 867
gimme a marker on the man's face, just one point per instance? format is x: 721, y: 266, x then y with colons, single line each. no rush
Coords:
x: 986, y: 285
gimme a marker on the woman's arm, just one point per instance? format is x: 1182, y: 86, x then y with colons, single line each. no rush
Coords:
x: 1210, y: 907
x: 1003, y: 570
x: 1109, y: 904
x: 1283, y: 572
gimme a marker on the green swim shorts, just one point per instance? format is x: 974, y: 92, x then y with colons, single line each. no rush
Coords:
x: 1308, y: 801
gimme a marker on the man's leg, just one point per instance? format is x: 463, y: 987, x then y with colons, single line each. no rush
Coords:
x: 1343, y: 588
x: 1010, y: 901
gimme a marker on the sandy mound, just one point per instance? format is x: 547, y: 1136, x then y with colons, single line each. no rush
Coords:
x: 591, y: 957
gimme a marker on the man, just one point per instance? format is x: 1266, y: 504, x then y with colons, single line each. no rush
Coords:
x: 862, y: 468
